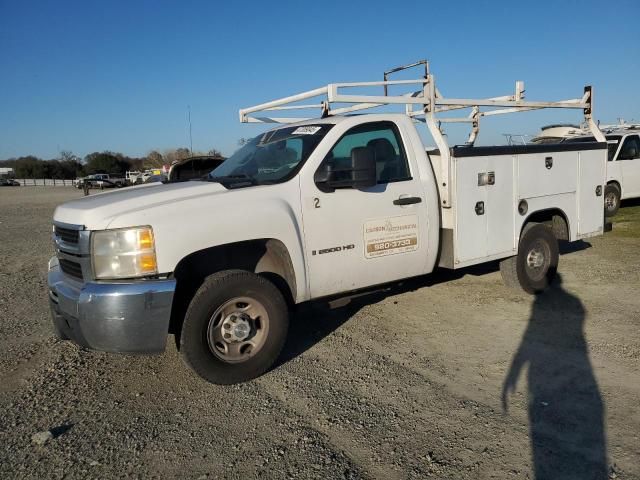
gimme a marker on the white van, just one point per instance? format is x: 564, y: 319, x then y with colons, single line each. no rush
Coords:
x: 623, y: 166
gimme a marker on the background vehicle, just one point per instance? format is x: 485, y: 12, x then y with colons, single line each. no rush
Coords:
x: 623, y: 166
x: 556, y: 133
x: 142, y: 177
x: 8, y: 182
x: 101, y: 180
x: 317, y: 208
x: 155, y: 179
x: 7, y: 172
x: 193, y: 167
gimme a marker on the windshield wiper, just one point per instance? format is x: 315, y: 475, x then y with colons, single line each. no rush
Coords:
x: 234, y: 180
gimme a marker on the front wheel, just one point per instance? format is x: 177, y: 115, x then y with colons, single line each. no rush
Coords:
x: 234, y: 328
x: 536, y: 263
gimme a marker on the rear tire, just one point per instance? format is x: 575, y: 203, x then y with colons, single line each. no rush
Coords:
x: 235, y: 327
x: 611, y: 200
x: 536, y: 263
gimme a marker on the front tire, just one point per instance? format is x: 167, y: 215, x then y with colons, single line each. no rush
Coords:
x: 536, y: 263
x: 611, y: 200
x: 235, y: 327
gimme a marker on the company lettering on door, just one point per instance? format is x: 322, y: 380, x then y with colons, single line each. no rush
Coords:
x: 391, y: 235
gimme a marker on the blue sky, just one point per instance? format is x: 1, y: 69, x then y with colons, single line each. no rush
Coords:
x: 90, y: 76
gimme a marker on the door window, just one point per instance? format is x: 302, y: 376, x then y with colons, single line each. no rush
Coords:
x: 630, y: 148
x: 384, y: 141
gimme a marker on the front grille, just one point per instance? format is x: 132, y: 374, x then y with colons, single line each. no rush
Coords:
x: 71, y: 268
x: 67, y: 235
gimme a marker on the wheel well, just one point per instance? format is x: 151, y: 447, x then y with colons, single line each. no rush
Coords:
x: 617, y: 184
x: 267, y: 257
x: 554, y: 218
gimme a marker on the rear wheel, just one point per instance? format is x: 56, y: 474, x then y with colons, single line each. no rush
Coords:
x: 234, y: 328
x: 536, y: 263
x: 611, y: 200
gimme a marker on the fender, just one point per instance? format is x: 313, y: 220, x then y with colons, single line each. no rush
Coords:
x: 184, y: 227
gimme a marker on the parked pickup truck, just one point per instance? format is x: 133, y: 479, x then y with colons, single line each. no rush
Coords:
x: 101, y: 181
x: 311, y: 209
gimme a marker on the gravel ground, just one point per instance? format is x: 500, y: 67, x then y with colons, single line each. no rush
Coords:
x: 407, y: 383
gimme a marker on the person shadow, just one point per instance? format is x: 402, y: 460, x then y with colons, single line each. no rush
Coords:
x: 566, y: 410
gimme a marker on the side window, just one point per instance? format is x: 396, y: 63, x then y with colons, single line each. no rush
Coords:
x: 630, y: 148
x: 384, y: 140
x: 612, y: 147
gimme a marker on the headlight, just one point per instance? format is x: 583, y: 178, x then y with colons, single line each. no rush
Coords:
x: 123, y: 253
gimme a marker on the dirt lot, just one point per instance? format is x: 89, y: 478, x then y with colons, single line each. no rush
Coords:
x: 404, y: 384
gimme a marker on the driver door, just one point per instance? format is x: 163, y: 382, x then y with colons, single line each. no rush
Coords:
x: 629, y: 159
x: 357, y: 237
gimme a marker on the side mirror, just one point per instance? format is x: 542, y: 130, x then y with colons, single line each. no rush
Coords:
x: 360, y: 173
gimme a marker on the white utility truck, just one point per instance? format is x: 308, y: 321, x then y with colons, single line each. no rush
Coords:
x: 317, y: 208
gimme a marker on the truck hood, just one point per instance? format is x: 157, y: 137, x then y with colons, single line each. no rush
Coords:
x: 97, y: 211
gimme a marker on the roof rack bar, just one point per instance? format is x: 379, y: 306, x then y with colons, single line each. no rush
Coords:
x: 380, y: 83
x: 447, y: 108
x: 405, y: 67
x: 282, y: 101
x: 470, y: 102
x: 456, y: 120
x: 296, y: 107
x: 283, y: 120
x: 364, y: 106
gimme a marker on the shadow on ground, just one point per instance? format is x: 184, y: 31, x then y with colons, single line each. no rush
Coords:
x: 566, y: 410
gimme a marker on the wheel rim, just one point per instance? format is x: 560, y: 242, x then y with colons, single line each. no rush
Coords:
x: 237, y: 330
x: 610, y: 201
x: 538, y: 260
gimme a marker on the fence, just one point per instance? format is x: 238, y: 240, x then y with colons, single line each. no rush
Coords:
x: 45, y: 182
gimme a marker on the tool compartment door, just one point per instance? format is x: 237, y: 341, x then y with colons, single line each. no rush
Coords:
x: 592, y: 174
x: 500, y: 206
x: 471, y: 206
x: 545, y: 174
x: 484, y: 207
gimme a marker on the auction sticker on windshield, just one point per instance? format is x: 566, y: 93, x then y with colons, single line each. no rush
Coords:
x: 306, y: 130
x: 391, y: 235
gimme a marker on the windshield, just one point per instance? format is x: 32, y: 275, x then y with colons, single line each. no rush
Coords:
x: 271, y: 157
x: 612, y: 143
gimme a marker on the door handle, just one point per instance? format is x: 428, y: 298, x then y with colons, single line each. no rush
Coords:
x: 407, y: 200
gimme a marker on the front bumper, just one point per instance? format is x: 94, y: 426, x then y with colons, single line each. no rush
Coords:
x: 125, y: 317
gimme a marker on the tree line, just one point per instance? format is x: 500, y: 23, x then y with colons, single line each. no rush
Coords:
x: 69, y: 166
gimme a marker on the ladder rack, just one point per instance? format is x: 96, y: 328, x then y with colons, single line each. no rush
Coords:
x: 621, y: 126
x: 423, y: 103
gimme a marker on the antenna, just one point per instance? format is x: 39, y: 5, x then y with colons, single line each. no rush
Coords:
x: 190, y: 138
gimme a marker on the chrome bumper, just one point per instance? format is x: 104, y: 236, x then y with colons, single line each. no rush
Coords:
x: 126, y: 317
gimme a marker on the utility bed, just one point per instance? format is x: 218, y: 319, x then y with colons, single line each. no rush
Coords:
x: 487, y: 182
